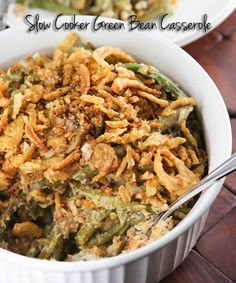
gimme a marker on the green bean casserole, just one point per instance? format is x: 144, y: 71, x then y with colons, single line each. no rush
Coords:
x: 120, y: 9
x: 92, y: 146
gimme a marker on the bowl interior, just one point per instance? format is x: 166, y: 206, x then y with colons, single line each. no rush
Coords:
x: 168, y: 58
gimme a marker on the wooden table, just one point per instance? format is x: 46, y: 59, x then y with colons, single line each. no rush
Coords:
x: 213, y: 259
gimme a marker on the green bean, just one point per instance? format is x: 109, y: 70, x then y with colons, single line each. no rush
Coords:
x: 159, y: 8
x: 7, y: 78
x: 33, y: 252
x: 107, y: 202
x: 169, y: 121
x: 54, y: 248
x: 15, y: 79
x: 44, y: 184
x: 51, y: 6
x: 167, y: 84
x: 113, y: 216
x: 181, y: 213
x: 89, y: 228
x: 84, y: 174
x: 116, y: 229
x: 185, y: 210
x: 102, y: 238
x: 34, y: 211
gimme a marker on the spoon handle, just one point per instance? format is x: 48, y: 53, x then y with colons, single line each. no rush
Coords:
x: 223, y: 170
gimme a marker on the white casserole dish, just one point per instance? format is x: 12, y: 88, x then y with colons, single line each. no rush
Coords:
x: 156, y: 260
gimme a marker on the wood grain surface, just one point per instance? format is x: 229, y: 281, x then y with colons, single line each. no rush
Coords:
x: 213, y: 259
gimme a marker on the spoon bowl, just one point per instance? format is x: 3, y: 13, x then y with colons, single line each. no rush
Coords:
x: 221, y: 171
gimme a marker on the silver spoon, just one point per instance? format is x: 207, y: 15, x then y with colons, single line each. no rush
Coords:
x: 223, y: 170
